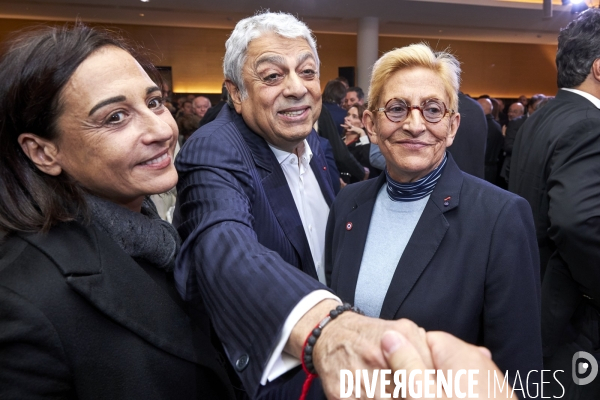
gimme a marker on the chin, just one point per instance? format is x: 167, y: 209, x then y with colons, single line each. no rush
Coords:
x: 165, y: 183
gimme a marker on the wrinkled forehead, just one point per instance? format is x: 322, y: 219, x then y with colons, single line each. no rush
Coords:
x: 268, y: 45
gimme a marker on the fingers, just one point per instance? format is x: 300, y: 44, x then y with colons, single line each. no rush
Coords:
x: 417, y: 337
x: 451, y: 353
x: 400, y: 353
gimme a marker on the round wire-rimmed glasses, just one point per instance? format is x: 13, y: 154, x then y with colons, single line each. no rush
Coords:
x: 432, y: 110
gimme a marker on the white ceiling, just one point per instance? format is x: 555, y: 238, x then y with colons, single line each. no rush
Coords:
x: 482, y: 20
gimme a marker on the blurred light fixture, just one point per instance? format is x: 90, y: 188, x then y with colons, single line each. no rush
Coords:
x: 577, y: 6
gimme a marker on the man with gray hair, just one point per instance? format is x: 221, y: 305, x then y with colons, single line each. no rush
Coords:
x: 254, y: 196
x: 200, y: 106
x: 556, y: 167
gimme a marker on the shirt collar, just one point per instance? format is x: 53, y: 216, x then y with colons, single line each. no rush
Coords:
x: 282, y: 155
x: 595, y: 101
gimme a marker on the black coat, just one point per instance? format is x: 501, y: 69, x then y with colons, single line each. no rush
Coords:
x: 556, y: 167
x: 493, y: 148
x: 470, y: 267
x: 468, y: 148
x: 345, y: 161
x: 512, y: 128
x: 80, y: 319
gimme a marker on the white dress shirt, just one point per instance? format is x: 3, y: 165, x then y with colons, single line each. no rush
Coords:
x: 588, y: 96
x: 313, y: 210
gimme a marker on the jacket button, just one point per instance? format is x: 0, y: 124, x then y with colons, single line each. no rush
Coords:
x: 242, y: 362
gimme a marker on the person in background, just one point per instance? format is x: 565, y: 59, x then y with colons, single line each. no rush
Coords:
x: 556, y: 168
x: 354, y: 95
x: 494, y: 143
x: 213, y: 111
x: 516, y: 110
x: 426, y: 241
x: 88, y: 307
x: 333, y: 98
x: 357, y: 140
x: 200, y: 105
x: 517, y: 118
x: 468, y: 148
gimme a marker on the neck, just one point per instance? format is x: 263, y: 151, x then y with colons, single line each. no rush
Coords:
x: 591, y: 86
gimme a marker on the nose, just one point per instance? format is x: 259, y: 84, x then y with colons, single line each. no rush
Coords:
x: 158, y: 128
x: 414, y: 123
x: 294, y: 86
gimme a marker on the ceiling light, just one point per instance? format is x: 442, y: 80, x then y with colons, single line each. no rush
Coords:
x: 145, y: 1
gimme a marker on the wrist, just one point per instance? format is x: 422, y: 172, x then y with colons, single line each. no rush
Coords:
x: 308, y: 352
x: 306, y: 324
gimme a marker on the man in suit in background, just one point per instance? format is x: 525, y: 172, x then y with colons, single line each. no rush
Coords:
x: 468, y: 148
x: 253, y: 198
x: 556, y: 167
x: 494, y: 142
x: 516, y: 119
x: 354, y: 95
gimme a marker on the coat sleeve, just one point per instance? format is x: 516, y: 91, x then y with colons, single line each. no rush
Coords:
x: 344, y: 159
x: 511, y: 314
x: 248, y: 289
x: 32, y: 361
x: 574, y: 204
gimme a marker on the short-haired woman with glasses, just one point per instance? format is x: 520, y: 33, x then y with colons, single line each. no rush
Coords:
x: 426, y: 241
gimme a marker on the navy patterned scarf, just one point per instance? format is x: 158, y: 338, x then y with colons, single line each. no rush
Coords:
x: 415, y: 190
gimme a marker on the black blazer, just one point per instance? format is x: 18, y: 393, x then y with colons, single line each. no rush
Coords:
x: 470, y: 268
x: 468, y: 148
x: 80, y: 319
x: 556, y: 167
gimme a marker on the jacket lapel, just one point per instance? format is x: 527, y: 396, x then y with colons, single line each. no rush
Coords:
x: 425, y: 240
x: 344, y: 284
x: 318, y: 164
x: 278, y: 194
x: 99, y: 271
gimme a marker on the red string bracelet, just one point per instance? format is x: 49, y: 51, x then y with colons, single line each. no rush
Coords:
x: 309, y: 344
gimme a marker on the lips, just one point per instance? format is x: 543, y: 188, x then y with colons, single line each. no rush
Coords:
x: 294, y: 112
x: 161, y: 160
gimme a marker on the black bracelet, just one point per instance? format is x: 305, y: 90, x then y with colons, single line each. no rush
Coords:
x: 309, y: 344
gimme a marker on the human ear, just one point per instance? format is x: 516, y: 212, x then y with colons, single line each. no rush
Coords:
x: 235, y: 95
x: 41, y: 152
x: 369, y: 124
x: 596, y: 69
x: 454, y: 124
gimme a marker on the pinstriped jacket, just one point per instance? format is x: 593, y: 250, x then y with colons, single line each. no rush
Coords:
x: 244, y: 251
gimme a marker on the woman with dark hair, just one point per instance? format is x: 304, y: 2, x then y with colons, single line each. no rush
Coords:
x: 88, y: 308
x: 357, y: 140
x: 333, y: 97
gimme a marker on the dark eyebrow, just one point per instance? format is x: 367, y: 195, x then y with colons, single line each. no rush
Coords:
x: 153, y: 89
x: 106, y: 102
x: 118, y: 99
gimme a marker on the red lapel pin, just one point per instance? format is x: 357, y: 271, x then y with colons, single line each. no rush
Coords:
x: 349, y: 226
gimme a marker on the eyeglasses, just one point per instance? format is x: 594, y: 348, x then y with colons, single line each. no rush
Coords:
x: 432, y: 110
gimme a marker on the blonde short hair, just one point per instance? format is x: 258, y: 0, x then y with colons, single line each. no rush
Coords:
x: 415, y: 55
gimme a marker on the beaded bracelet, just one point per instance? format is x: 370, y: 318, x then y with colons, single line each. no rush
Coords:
x: 309, y: 344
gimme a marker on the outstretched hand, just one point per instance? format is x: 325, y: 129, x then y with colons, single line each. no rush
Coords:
x: 352, y: 342
x: 448, y: 353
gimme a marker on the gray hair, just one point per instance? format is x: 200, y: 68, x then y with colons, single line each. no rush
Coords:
x: 251, y: 28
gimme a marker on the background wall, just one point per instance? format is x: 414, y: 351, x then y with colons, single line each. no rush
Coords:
x: 504, y: 70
